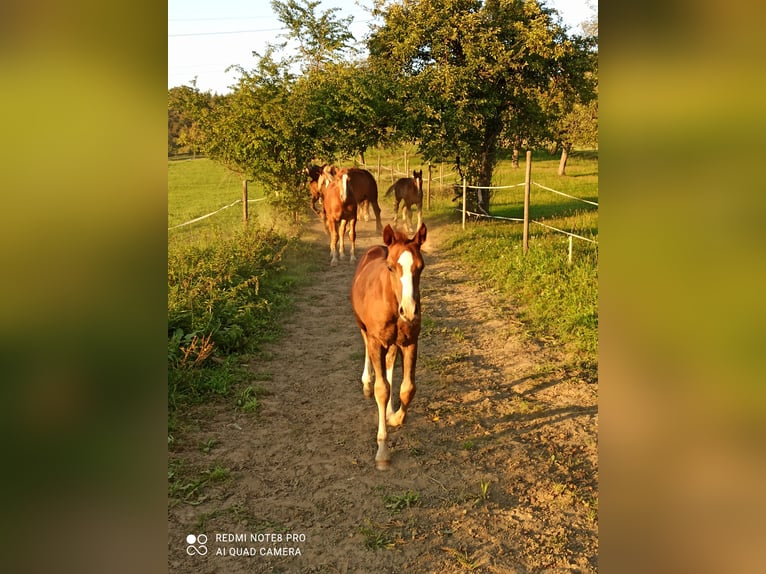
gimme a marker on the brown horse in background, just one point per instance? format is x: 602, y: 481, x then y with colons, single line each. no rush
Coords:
x: 385, y: 297
x: 409, y: 190
x: 340, y: 209
x: 366, y: 193
x: 362, y: 182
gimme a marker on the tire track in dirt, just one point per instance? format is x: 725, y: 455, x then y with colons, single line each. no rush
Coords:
x: 499, y: 446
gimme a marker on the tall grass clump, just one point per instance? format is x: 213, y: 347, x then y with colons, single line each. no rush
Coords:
x: 556, y: 300
x: 225, y: 297
x: 553, y: 297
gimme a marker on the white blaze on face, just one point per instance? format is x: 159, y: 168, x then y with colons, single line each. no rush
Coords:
x: 343, y: 183
x: 407, y: 307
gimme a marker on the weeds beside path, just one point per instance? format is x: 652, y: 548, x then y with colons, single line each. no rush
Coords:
x: 495, y: 469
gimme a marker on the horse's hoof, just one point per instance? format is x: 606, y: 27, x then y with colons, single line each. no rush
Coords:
x: 396, y: 419
x: 334, y: 263
x: 383, y: 464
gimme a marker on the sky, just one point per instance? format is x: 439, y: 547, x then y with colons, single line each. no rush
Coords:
x: 205, y: 38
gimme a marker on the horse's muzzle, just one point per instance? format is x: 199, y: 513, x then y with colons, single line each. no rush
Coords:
x: 408, y: 313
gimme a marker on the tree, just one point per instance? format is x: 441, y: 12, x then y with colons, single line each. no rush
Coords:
x: 347, y: 108
x: 321, y: 38
x: 252, y: 132
x: 274, y: 122
x: 187, y: 107
x: 344, y: 103
x: 473, y: 74
x: 577, y: 123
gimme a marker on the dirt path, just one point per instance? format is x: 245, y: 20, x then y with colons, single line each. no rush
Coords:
x: 495, y: 469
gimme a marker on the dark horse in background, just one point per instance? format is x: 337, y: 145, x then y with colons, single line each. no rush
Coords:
x: 363, y: 184
x: 410, y: 191
x: 385, y: 297
x: 365, y: 191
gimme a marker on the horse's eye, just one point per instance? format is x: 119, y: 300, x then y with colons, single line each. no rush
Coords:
x: 390, y: 268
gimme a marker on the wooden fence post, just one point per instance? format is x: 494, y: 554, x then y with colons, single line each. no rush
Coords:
x: 570, y: 249
x: 378, y: 178
x: 428, y: 189
x: 406, y: 164
x: 464, y: 198
x: 527, y: 185
x: 441, y: 174
x: 244, y: 200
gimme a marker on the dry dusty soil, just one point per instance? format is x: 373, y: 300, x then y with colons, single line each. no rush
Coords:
x: 494, y: 470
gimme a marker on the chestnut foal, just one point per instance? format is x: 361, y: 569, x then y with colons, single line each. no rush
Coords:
x: 385, y: 296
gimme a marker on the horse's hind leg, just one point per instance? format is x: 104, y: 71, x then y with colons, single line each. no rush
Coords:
x: 352, y: 238
x: 407, y: 390
x: 376, y: 210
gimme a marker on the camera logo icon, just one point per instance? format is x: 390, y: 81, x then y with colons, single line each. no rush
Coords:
x: 196, y: 544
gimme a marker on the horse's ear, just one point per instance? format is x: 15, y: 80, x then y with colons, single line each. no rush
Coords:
x: 388, y: 235
x: 420, y: 236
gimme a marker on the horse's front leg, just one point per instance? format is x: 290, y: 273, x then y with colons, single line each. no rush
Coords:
x: 333, y: 226
x: 393, y: 351
x: 382, y: 395
x: 407, y: 218
x: 407, y: 390
x: 341, y: 234
x: 396, y: 211
x: 420, y: 214
x: 367, y: 372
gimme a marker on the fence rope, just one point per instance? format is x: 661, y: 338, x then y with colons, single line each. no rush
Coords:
x: 538, y: 185
x: 494, y: 187
x: 531, y: 221
x: 491, y: 216
x: 564, y: 232
x: 382, y: 167
x: 565, y: 195
x: 570, y: 234
x: 201, y: 217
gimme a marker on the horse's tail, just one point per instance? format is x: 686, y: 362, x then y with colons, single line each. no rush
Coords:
x: 390, y: 189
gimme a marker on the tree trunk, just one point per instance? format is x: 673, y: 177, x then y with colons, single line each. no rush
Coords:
x: 486, y: 166
x: 515, y: 157
x: 564, y: 157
